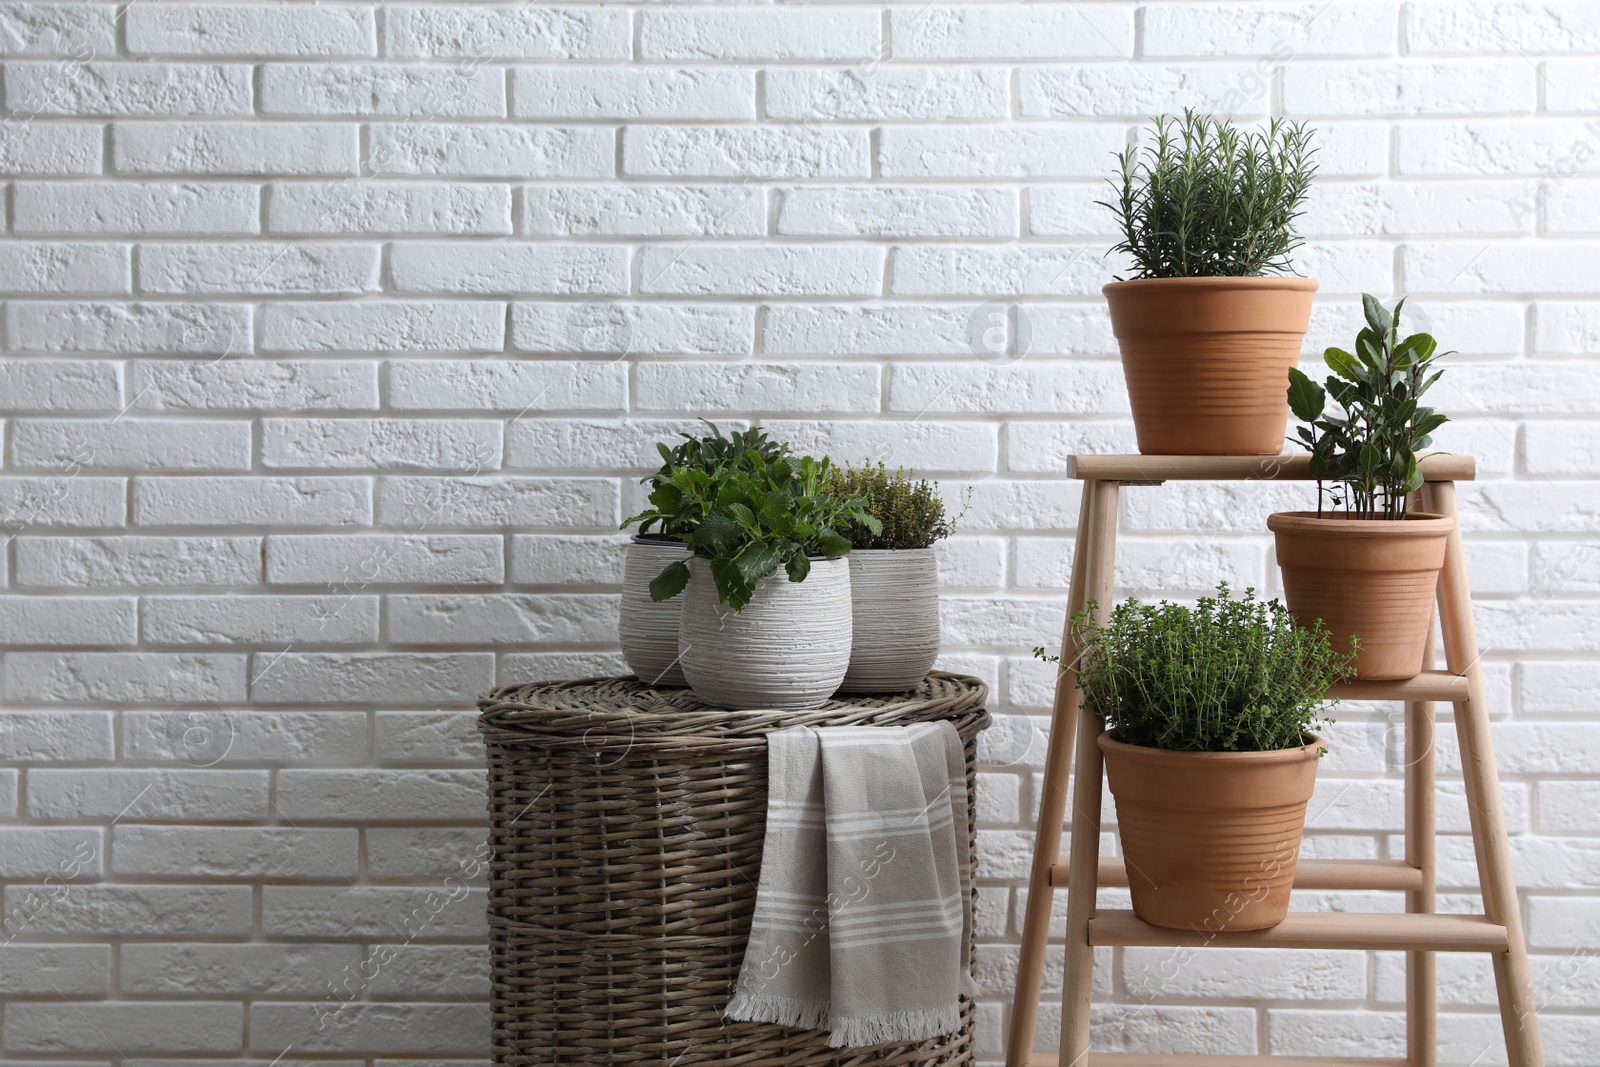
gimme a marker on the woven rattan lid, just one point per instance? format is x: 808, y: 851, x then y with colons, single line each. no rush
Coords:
x: 607, y: 712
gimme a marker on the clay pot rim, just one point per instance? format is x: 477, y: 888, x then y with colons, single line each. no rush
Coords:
x: 1289, y: 282
x: 1314, y: 746
x: 1416, y: 524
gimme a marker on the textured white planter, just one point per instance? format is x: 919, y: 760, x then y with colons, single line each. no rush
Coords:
x: 894, y: 598
x: 788, y: 648
x: 649, y: 630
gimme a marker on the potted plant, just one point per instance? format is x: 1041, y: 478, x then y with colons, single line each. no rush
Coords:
x: 1209, y: 750
x: 1209, y: 322
x: 747, y: 637
x: 1368, y: 566
x: 894, y: 578
x: 648, y: 628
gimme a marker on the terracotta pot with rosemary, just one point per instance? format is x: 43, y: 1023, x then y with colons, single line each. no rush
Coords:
x: 1209, y: 750
x: 894, y: 578
x: 1211, y: 319
x: 1365, y: 562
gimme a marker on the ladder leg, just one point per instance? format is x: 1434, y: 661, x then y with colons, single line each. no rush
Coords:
x: 1489, y: 839
x: 1052, y: 814
x: 1088, y: 769
x: 1422, y: 1040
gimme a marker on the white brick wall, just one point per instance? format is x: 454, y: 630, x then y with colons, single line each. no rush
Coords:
x: 336, y: 337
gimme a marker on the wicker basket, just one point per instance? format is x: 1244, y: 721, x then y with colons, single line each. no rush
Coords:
x: 626, y: 825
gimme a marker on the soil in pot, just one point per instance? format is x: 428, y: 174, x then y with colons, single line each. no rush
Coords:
x: 1206, y: 360
x: 789, y: 647
x: 894, y: 604
x: 648, y: 629
x: 1374, y: 578
x: 1210, y: 839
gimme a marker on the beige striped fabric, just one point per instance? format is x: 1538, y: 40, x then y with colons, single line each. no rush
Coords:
x: 864, y: 908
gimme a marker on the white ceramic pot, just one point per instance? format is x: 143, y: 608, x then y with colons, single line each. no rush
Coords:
x: 788, y: 648
x: 894, y: 604
x: 649, y: 629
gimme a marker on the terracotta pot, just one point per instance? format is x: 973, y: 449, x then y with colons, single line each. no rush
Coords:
x: 1374, y: 578
x: 789, y: 647
x: 1207, y: 360
x: 1210, y: 839
x: 894, y: 608
x: 648, y: 629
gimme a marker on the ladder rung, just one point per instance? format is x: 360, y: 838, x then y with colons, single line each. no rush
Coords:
x: 1317, y: 929
x: 1295, y: 466
x: 1308, y: 874
x: 1429, y: 685
x: 1151, y: 1059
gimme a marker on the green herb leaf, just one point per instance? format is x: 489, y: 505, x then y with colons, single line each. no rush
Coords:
x: 670, y: 582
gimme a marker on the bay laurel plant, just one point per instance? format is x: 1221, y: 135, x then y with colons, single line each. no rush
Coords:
x: 1204, y: 200
x: 911, y: 513
x: 1230, y: 674
x: 1369, y: 451
x: 749, y: 516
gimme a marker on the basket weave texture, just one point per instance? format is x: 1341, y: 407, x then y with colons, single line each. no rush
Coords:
x: 626, y: 827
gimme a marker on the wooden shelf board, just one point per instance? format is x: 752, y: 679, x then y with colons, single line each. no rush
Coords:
x: 1294, y: 466
x: 1144, y: 1059
x: 1429, y: 685
x: 1308, y: 874
x: 1318, y: 929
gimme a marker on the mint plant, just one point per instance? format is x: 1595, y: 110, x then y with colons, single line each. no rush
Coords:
x: 1370, y: 450
x: 710, y: 453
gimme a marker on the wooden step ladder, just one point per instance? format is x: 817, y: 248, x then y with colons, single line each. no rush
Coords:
x: 1419, y: 932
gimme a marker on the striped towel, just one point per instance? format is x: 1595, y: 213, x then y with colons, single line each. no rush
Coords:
x: 863, y: 913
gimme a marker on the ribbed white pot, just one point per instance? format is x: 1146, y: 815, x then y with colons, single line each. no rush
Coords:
x: 894, y: 604
x: 649, y: 629
x: 788, y: 648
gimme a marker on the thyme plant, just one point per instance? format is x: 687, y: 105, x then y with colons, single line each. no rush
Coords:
x: 1227, y: 675
x: 1204, y: 200
x: 911, y: 513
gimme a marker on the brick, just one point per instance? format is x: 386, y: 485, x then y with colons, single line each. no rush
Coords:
x: 1030, y: 151
x: 939, y: 447
x: 9, y: 778
x: 491, y: 151
x: 55, y: 149
x: 525, y: 32
x: 133, y: 444
x: 1060, y: 388
x: 258, y: 620
x: 615, y: 328
x: 890, y: 94
x: 258, y: 268
x: 382, y: 207
x: 387, y: 90
x: 123, y: 677
x: 56, y: 852
x: 220, y: 853
x: 1157, y: 565
x: 762, y: 271
x: 971, y: 562
x: 622, y: 93
x: 381, y: 444
x: 1045, y: 446
x: 369, y: 677
x: 1338, y: 1033
x: 135, y: 910
x: 1292, y: 975
x: 596, y: 444
x: 91, y: 562
x: 207, y: 738
x: 1011, y: 33
x: 43, y: 29
x: 382, y: 796
x: 1405, y: 209
x: 355, y: 561
x: 1564, y: 328
x: 890, y: 330
x: 1499, y: 26
x: 58, y: 620
x: 118, y: 89
x: 745, y: 152
x: 250, y: 30
x: 1274, y: 31
x: 428, y: 737
x: 509, y: 269
x: 67, y: 499
x: 60, y: 385
x: 1071, y: 210
x: 653, y: 210
x: 1568, y: 207
x: 1010, y: 270
x: 253, y: 501
x: 136, y: 208
x: 482, y: 619
x: 47, y: 267
x: 1374, y: 87
x: 454, y: 970
x: 156, y: 795
x: 502, y: 385
x: 380, y: 1028
x: 758, y: 33
x: 498, y: 501
x: 1492, y: 147
x: 1452, y: 267
x: 383, y: 912
x: 393, y: 326
x: 256, y: 384
x: 246, y: 148
x: 1561, y: 448
x: 1569, y: 85
x: 560, y: 559
x: 521, y: 668
x: 49, y: 736
x: 136, y: 328
x: 982, y: 620
x: 237, y: 970
x: 192, y: 1026
x: 751, y: 387
x: 55, y: 969
x: 1533, y: 507
x: 1564, y: 567
x: 898, y: 212
x: 1133, y: 91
